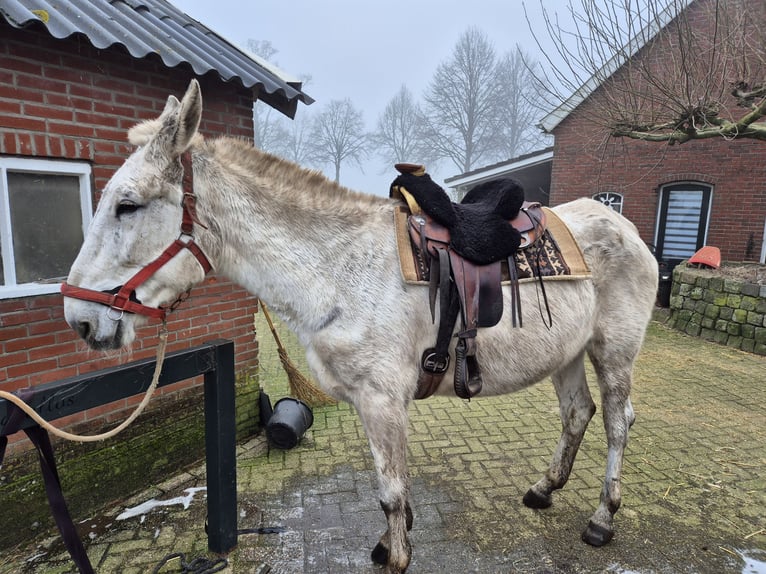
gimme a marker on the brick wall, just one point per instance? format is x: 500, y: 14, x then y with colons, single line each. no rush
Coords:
x: 65, y: 99
x: 587, y: 161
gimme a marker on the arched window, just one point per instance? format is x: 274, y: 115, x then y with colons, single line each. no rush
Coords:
x: 610, y: 199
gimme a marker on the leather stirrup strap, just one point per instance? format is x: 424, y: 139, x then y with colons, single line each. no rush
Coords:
x: 549, y: 323
x: 516, y: 320
x: 467, y: 381
x: 435, y: 360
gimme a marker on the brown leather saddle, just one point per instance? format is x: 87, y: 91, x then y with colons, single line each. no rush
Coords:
x: 464, y: 286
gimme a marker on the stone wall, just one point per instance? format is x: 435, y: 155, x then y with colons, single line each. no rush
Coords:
x: 726, y: 310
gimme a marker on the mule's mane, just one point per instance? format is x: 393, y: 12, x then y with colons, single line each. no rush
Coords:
x: 305, y: 187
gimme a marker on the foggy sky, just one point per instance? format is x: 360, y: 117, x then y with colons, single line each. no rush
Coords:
x: 365, y: 50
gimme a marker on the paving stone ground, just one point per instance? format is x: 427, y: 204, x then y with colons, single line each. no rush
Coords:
x: 694, y: 488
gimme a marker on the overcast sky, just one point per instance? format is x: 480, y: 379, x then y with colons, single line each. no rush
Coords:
x: 366, y: 50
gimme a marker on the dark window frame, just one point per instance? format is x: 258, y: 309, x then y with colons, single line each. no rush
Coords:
x: 704, y: 219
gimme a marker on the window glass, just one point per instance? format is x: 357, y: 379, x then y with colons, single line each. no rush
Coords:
x: 682, y: 222
x: 46, y: 224
x: 45, y: 207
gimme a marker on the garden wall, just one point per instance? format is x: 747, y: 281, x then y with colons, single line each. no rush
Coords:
x: 728, y: 310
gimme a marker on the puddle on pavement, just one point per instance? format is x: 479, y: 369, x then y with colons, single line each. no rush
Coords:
x: 754, y: 563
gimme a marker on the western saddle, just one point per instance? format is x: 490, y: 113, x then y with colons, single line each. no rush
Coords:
x: 461, y: 248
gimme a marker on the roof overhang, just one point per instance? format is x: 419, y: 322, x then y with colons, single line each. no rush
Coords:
x: 499, y: 169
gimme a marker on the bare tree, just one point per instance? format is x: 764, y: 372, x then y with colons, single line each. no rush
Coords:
x: 338, y: 135
x: 272, y: 131
x: 460, y: 120
x: 661, y: 70
x: 519, y: 106
x: 268, y: 132
x: 479, y: 108
x: 397, y: 136
x: 296, y: 146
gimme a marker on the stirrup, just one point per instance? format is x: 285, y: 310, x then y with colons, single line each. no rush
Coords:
x: 468, y: 381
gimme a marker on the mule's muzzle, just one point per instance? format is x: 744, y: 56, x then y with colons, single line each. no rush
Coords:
x: 88, y: 332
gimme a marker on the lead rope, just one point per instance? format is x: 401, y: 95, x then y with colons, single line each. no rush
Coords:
x: 29, y: 411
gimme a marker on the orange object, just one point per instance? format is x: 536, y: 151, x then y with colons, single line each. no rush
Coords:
x: 708, y: 256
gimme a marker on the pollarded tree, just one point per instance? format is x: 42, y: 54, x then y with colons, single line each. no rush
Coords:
x: 661, y: 70
x: 338, y: 135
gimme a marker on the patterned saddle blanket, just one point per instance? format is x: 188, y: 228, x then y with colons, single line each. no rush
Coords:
x: 555, y: 255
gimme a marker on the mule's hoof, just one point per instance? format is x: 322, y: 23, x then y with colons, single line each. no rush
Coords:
x: 533, y: 500
x: 596, y: 535
x: 379, y: 554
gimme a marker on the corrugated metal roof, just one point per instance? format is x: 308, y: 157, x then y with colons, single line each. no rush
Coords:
x: 157, y: 27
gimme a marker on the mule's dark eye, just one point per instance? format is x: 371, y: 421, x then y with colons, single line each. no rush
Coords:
x: 126, y: 207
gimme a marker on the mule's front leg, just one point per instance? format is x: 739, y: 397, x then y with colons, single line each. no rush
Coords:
x: 385, y: 422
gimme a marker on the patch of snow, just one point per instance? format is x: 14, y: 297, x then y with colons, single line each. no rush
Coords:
x: 144, y: 508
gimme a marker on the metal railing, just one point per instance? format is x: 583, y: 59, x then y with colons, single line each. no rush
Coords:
x: 214, y: 360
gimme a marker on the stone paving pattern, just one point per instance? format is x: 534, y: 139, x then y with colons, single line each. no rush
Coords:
x: 694, y: 488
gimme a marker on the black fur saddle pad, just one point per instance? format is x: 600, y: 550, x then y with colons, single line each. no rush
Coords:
x: 479, y: 226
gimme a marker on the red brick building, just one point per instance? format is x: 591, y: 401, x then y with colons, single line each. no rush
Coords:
x: 703, y: 192
x: 681, y: 197
x: 69, y: 91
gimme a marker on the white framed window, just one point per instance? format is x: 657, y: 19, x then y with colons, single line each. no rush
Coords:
x: 610, y: 199
x: 45, y: 208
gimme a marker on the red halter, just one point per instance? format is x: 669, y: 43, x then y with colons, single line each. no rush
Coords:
x: 123, y: 298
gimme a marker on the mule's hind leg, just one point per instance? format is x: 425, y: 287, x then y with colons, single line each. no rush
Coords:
x: 576, y: 408
x: 615, y: 383
x: 385, y: 422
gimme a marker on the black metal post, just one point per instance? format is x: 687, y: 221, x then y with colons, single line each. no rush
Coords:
x: 220, y: 449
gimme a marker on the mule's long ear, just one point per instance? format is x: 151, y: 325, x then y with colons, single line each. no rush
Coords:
x: 188, y: 120
x: 140, y: 134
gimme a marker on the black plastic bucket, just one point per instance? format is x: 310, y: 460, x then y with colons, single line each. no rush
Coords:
x: 289, y: 421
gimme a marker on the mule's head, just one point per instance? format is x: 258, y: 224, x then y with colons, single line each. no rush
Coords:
x: 138, y: 217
